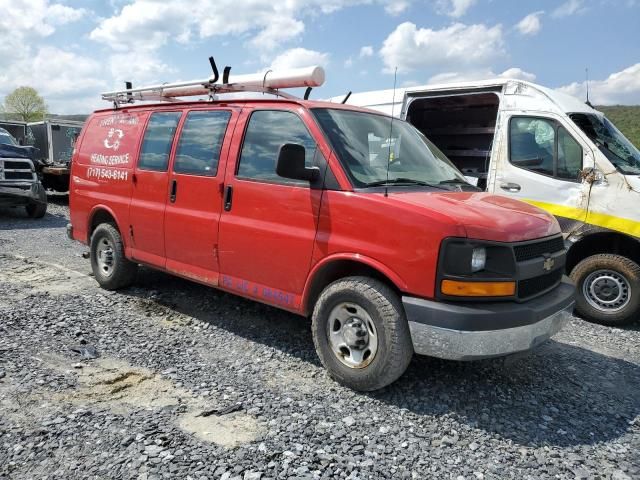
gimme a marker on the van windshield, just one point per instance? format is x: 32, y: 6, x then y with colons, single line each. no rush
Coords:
x: 615, y: 146
x: 367, y: 144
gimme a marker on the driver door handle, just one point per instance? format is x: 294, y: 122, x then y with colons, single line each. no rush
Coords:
x: 510, y: 187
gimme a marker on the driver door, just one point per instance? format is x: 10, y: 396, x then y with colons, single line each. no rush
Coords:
x: 542, y: 165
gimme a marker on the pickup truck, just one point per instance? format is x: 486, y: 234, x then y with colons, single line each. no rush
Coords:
x: 329, y: 211
x: 19, y: 183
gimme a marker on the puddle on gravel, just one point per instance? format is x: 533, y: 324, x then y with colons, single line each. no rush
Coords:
x: 122, y: 387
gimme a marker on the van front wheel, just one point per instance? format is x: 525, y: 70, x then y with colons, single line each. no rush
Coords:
x: 110, y: 267
x: 608, y: 289
x: 361, y: 333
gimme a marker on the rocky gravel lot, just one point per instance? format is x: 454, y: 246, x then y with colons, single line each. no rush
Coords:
x: 193, y: 383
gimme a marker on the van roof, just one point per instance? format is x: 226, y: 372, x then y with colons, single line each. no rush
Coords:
x: 565, y: 102
x: 238, y: 101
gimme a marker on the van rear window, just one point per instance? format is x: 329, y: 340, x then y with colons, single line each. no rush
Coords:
x: 158, y: 139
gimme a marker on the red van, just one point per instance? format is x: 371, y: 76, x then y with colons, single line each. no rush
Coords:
x: 325, y: 210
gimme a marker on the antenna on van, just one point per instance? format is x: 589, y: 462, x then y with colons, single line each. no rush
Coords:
x: 586, y: 72
x: 393, y: 104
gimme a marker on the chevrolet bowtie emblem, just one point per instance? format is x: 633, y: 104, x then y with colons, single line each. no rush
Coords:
x: 548, y: 264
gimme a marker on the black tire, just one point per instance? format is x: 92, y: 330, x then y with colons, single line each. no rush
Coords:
x: 122, y: 272
x: 589, y: 270
x: 394, y: 346
x: 38, y: 209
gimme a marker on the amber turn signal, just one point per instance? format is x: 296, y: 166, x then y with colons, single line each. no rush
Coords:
x: 478, y: 289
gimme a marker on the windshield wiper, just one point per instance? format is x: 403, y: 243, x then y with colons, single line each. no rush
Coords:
x: 454, y: 181
x: 403, y: 181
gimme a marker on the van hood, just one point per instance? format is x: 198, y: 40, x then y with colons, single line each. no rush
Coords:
x: 484, y: 216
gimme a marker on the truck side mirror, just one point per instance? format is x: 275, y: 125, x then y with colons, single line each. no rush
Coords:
x: 291, y: 163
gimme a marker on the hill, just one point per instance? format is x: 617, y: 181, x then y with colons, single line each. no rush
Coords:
x: 626, y: 118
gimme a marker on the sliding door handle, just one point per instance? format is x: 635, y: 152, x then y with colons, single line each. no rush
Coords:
x: 174, y: 190
x: 228, y: 197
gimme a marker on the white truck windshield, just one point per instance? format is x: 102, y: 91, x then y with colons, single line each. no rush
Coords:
x: 374, y: 152
x: 620, y: 151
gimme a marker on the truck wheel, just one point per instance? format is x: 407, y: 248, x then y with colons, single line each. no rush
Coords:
x: 110, y: 267
x: 608, y: 289
x: 361, y: 333
x: 38, y: 209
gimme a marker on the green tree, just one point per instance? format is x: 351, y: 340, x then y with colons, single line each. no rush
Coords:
x: 26, y: 104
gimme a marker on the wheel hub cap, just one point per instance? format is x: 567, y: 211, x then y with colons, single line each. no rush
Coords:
x: 607, y: 291
x: 352, y: 335
x: 105, y: 257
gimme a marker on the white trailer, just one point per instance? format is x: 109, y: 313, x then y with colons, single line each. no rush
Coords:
x: 550, y: 149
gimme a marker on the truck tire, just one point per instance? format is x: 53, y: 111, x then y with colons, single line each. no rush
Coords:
x: 608, y: 289
x: 361, y: 333
x: 110, y: 267
x: 38, y: 209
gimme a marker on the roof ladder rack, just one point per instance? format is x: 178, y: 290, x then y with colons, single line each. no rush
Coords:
x: 271, y: 82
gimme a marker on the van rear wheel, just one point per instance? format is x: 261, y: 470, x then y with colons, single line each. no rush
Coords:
x: 361, y: 333
x: 110, y: 267
x: 608, y: 289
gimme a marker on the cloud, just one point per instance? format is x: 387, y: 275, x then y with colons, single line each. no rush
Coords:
x: 483, y: 74
x: 24, y: 21
x: 59, y: 14
x: 570, y: 7
x: 618, y: 88
x: 458, y: 46
x: 454, y: 8
x: 150, y: 24
x: 299, y: 57
x: 531, y: 24
x: 366, y: 51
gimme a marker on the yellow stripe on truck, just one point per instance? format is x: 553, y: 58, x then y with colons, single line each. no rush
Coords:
x: 603, y: 220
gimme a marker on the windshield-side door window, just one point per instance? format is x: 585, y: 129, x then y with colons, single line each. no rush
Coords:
x: 544, y: 146
x: 266, y: 132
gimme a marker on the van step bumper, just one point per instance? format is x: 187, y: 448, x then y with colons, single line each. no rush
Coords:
x: 472, y: 331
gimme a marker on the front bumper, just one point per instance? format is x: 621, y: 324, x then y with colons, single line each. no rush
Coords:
x: 471, y: 331
x: 19, y: 193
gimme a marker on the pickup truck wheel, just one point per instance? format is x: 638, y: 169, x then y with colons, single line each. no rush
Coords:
x: 110, y: 267
x: 361, y: 333
x: 38, y: 209
x: 608, y: 289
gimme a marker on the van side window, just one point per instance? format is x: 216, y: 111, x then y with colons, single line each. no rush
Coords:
x: 158, y: 137
x: 200, y: 142
x: 543, y: 146
x: 267, y: 131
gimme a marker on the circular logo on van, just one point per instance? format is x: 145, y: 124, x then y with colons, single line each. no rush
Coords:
x: 113, y: 138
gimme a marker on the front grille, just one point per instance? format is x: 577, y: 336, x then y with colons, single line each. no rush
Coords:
x: 532, y: 286
x: 17, y: 170
x: 18, y: 175
x: 533, y: 250
x: 16, y: 165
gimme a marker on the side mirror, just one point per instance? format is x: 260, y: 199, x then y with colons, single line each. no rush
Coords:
x: 291, y: 163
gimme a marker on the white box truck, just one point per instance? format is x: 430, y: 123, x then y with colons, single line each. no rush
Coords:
x: 552, y: 150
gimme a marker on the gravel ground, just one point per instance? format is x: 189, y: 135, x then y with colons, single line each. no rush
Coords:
x: 195, y: 383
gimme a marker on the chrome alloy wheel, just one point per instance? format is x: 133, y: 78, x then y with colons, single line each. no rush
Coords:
x: 104, y: 256
x: 353, y: 337
x: 607, y: 290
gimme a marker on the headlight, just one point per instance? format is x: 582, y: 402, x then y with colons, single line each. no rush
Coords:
x: 478, y: 259
x: 475, y: 268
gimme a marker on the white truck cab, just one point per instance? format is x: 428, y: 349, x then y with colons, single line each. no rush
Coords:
x: 547, y: 148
